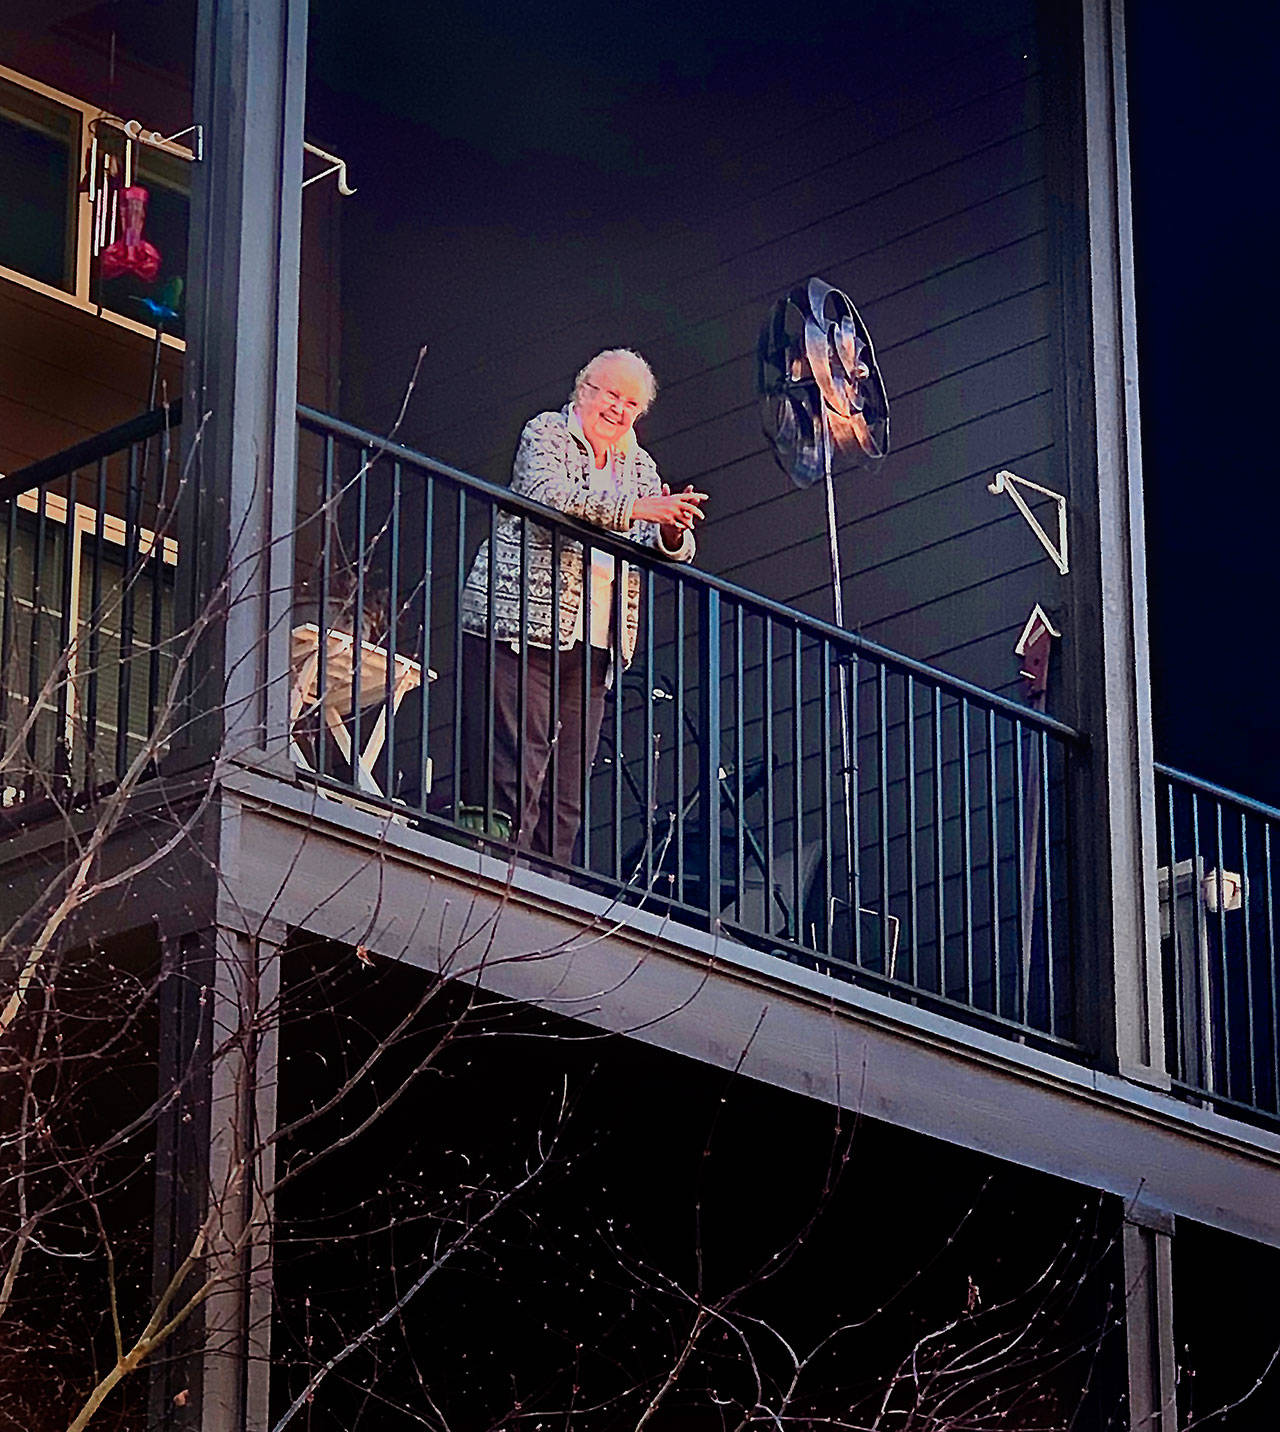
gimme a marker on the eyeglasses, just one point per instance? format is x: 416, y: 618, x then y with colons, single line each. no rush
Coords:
x: 613, y: 397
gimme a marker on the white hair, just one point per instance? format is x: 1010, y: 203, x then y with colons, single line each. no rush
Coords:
x: 633, y: 360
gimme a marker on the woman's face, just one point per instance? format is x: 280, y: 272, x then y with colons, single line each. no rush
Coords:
x: 609, y: 403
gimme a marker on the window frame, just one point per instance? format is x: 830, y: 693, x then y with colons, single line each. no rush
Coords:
x: 82, y: 240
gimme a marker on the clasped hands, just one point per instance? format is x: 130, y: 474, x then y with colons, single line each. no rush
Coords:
x: 674, y: 512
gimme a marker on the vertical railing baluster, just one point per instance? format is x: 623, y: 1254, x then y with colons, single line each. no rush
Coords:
x: 709, y: 633
x: 584, y: 685
x: 1248, y: 956
x: 95, y: 627
x: 1046, y: 875
x: 323, y: 620
x: 127, y: 611
x: 882, y: 773
x: 677, y: 753
x: 459, y: 662
x: 66, y: 626
x: 33, y: 655
x: 490, y: 683
x: 6, y: 615
x: 1023, y: 921
x: 739, y: 766
x: 357, y: 621
x: 966, y: 852
x: 993, y: 839
x: 913, y: 904
x: 424, y: 643
x: 649, y: 787
x: 1273, y: 967
x: 852, y: 805
x: 615, y: 628
x: 1065, y: 965
x: 160, y: 523
x: 554, y: 753
x: 1224, y: 967
x: 522, y: 681
x: 797, y: 784
x: 1181, y: 995
x: 939, y: 842
x: 822, y: 941
x: 1206, y: 1065
x: 393, y: 615
x: 34, y: 682
x: 766, y: 672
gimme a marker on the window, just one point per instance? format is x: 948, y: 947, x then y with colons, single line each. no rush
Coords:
x: 46, y: 218
x: 39, y: 144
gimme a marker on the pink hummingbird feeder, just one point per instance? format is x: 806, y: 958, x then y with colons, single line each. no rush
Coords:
x: 131, y: 253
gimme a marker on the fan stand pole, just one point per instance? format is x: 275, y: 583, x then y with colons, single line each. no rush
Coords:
x: 846, y: 747
x: 155, y: 366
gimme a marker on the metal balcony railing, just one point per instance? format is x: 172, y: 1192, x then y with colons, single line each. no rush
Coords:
x: 933, y: 868
x: 1219, y: 904
x: 87, y: 558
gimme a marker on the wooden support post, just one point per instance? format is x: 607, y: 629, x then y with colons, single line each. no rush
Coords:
x: 239, y: 427
x: 182, y: 1140
x: 1148, y: 1282
x: 1113, y: 788
x: 219, y: 1027
x: 245, y: 1032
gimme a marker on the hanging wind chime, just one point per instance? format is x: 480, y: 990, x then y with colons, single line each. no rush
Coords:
x: 119, y: 206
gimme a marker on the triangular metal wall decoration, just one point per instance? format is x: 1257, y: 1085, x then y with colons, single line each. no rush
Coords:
x: 1009, y: 482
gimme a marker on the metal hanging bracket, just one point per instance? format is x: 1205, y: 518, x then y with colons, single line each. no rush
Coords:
x: 336, y: 166
x: 132, y: 129
x: 1005, y: 482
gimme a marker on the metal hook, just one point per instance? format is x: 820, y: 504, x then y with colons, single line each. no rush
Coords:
x: 336, y: 166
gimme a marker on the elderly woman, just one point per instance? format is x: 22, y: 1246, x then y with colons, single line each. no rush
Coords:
x: 585, y: 461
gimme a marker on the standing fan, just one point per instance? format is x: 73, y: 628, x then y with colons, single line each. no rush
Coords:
x: 820, y: 389
x: 819, y: 383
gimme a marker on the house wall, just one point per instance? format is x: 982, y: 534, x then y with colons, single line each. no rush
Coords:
x: 66, y: 375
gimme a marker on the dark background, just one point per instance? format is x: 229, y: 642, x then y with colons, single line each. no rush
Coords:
x: 1202, y: 90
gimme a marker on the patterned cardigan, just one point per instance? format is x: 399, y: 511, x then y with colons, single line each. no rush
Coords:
x: 553, y: 466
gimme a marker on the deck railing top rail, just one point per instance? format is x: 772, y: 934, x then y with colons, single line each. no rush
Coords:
x: 1222, y: 793
x: 84, y: 454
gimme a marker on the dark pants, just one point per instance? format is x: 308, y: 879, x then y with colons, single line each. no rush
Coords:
x: 544, y: 820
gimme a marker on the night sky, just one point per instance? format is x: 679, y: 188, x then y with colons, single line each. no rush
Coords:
x: 1203, y: 101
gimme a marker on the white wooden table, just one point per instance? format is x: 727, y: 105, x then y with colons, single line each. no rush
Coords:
x: 339, y: 700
